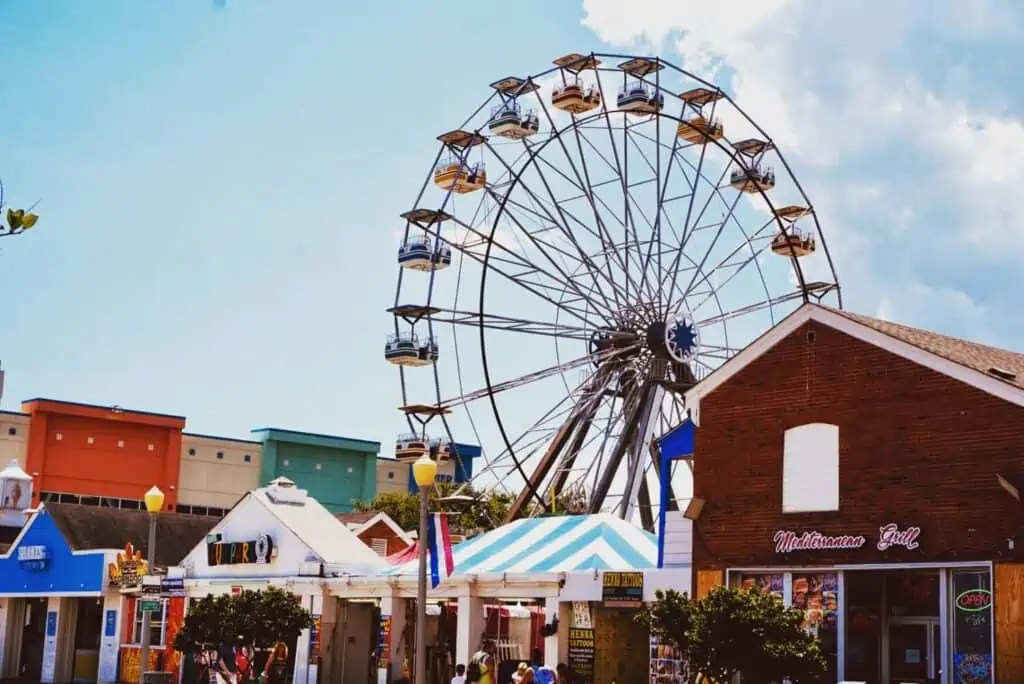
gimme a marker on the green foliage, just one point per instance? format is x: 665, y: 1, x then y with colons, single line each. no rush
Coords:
x: 258, y: 618
x: 732, y: 631
x: 484, y: 512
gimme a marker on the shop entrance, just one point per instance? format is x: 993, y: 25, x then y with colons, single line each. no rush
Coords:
x: 33, y: 639
x: 914, y: 650
x: 893, y: 631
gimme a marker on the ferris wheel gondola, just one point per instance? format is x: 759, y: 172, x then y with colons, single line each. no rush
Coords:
x: 605, y: 256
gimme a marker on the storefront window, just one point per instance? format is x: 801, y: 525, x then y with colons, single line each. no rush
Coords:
x: 972, y: 626
x: 772, y: 584
x: 817, y: 595
x: 156, y: 625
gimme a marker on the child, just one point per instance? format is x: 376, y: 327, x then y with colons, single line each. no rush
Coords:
x: 460, y: 674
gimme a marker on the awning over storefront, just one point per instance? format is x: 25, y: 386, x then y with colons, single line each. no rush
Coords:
x: 555, y: 544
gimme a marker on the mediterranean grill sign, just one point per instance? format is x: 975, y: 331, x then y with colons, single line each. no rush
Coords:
x: 890, y: 535
x: 258, y: 550
x: 623, y: 589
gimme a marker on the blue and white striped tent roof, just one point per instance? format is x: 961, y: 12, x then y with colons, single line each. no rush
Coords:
x: 557, y: 544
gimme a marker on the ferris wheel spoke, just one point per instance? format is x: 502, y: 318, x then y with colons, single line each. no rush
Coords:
x: 792, y: 296
x: 584, y: 185
x: 566, y: 232
x: 597, y: 357
x: 510, y: 324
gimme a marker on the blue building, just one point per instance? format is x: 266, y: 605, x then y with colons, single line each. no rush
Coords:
x: 457, y: 470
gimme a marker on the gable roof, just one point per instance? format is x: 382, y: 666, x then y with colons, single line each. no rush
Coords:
x: 567, y: 543
x: 95, y: 527
x: 380, y: 517
x: 324, y: 534
x: 965, y: 361
x: 355, y: 518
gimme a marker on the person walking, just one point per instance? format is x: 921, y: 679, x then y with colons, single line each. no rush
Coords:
x: 276, y: 669
x: 486, y: 664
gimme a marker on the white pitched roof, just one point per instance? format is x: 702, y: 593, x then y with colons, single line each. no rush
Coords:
x: 317, y: 527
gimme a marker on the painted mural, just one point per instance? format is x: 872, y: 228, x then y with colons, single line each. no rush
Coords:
x: 165, y: 658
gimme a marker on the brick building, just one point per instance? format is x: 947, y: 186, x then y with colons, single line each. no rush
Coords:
x: 377, y: 530
x: 868, y: 472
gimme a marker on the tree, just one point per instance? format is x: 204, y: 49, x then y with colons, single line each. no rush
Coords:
x: 258, y: 618
x: 732, y: 631
x: 18, y: 220
x: 478, y: 511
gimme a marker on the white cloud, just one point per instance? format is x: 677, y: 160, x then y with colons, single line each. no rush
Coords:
x: 910, y: 154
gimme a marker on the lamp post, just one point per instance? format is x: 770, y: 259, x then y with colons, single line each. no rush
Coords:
x: 154, y: 500
x: 424, y: 471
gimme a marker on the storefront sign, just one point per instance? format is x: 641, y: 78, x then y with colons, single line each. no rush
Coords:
x: 314, y: 641
x: 128, y: 569
x: 258, y: 550
x: 787, y: 541
x: 891, y: 535
x: 172, y: 586
x: 623, y: 589
x: 33, y: 557
x: 581, y: 654
x: 384, y: 643
x: 974, y: 600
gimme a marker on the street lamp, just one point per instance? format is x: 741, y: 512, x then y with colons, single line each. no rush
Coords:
x: 154, y: 500
x: 424, y: 471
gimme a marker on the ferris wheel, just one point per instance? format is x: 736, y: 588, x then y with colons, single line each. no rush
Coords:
x: 590, y: 243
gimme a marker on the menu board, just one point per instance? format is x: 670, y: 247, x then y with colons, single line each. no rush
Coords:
x: 818, y: 596
x: 770, y: 584
x: 667, y: 665
x: 972, y: 627
x: 581, y: 654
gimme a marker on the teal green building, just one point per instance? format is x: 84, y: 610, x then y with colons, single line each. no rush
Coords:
x: 336, y: 470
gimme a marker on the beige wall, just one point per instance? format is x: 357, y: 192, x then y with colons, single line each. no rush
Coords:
x: 13, y: 446
x: 217, y: 473
x: 399, y: 482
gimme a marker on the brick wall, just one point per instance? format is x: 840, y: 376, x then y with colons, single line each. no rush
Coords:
x: 916, y: 448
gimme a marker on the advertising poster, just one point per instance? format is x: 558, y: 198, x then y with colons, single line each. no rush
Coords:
x: 667, y: 665
x: 314, y: 641
x: 384, y: 643
x: 818, y: 596
x: 769, y: 584
x: 581, y: 654
x: 623, y: 589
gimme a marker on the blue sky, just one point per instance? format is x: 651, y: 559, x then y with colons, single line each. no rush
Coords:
x: 221, y: 189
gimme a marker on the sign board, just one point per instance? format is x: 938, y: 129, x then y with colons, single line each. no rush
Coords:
x: 581, y: 654
x: 384, y: 643
x: 33, y: 557
x: 314, y: 641
x: 172, y: 587
x: 128, y: 569
x: 236, y: 589
x: 150, y: 605
x: 623, y: 589
x: 890, y: 535
x: 259, y: 550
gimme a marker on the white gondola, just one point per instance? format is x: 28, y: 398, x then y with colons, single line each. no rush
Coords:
x: 462, y: 177
x: 575, y: 98
x: 410, y: 447
x: 509, y: 121
x: 793, y: 242
x: 418, y: 254
x: 426, y: 352
x: 402, y: 350
x: 638, y: 99
x: 441, y: 449
x: 752, y: 179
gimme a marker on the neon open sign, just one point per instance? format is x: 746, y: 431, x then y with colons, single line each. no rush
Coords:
x: 974, y: 599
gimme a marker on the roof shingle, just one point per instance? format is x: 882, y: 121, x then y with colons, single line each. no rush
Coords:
x: 95, y: 527
x: 973, y: 355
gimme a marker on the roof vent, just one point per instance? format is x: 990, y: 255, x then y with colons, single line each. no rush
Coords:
x: 1002, y: 373
x: 283, y: 491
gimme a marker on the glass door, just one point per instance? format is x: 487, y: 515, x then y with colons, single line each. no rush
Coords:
x: 914, y: 651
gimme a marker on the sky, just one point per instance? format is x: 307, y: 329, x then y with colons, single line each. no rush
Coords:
x: 221, y: 188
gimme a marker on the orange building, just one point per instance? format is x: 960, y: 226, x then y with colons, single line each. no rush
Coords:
x: 80, y: 451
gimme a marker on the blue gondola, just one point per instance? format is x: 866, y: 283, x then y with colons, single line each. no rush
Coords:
x: 402, y: 350
x: 638, y: 99
x: 410, y: 447
x: 418, y: 254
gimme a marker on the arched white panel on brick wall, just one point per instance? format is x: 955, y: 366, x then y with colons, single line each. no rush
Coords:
x: 810, y: 468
